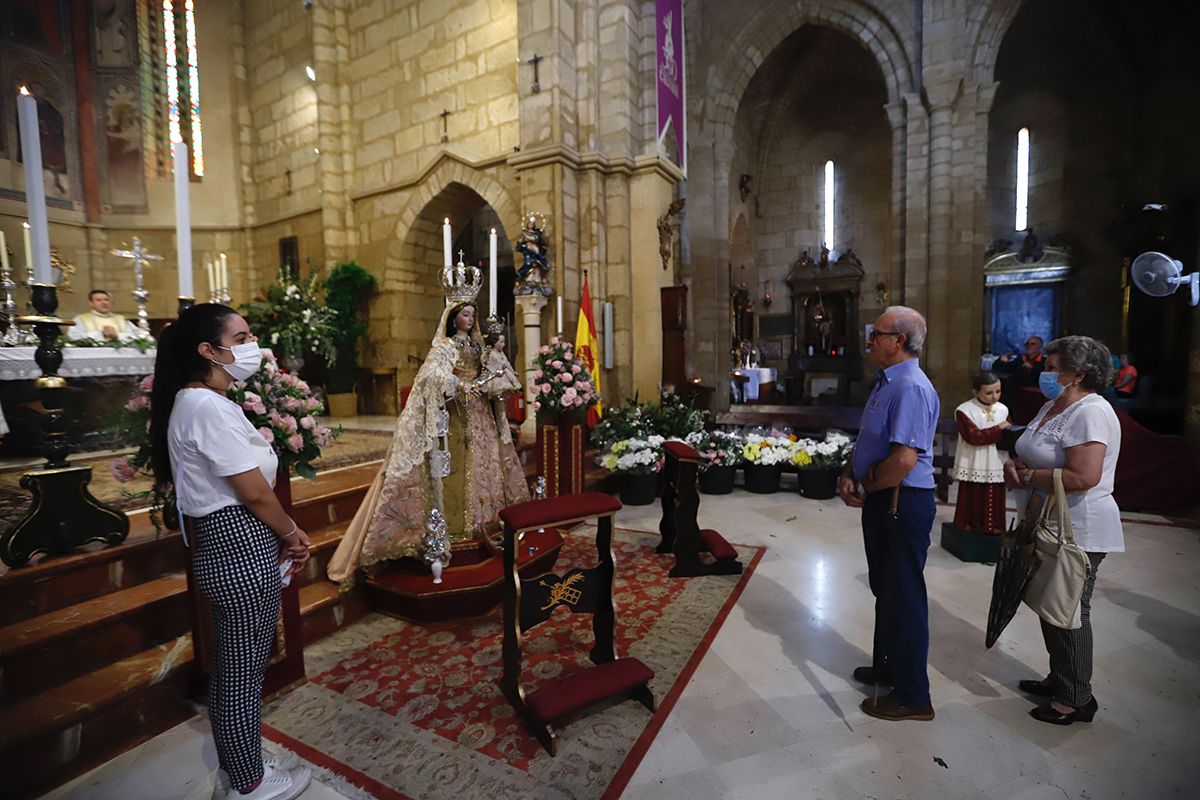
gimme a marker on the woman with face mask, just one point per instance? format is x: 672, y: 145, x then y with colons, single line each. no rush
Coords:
x: 223, y: 471
x: 1076, y: 431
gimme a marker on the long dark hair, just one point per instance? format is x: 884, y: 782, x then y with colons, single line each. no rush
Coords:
x: 177, y: 364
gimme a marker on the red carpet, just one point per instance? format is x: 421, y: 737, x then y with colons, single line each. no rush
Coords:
x: 409, y: 711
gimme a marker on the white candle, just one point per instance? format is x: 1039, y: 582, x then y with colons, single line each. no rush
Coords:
x: 183, y: 221
x: 224, y: 276
x: 492, y: 271
x: 35, y: 188
x: 446, y: 242
x: 28, y: 247
x: 212, y: 277
x: 3, y: 252
x: 560, y: 315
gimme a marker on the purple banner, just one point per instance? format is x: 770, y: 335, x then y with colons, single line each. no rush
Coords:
x: 669, y: 70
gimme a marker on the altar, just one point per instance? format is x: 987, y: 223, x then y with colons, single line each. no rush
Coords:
x: 100, y: 379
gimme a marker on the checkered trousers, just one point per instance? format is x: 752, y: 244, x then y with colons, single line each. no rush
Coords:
x: 235, y: 560
x: 1071, y: 650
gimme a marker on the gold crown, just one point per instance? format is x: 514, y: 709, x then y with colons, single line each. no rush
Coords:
x: 461, y: 283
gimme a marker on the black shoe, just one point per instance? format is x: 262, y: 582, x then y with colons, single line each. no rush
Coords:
x: 1043, y: 688
x: 869, y: 676
x: 1047, y: 713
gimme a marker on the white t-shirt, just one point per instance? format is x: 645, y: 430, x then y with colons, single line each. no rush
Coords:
x: 1095, y: 517
x: 209, y: 439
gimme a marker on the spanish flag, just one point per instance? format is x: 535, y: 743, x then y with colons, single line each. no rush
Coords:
x: 587, y: 349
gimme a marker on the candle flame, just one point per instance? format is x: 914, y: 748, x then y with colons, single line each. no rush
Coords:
x: 447, y: 220
x: 24, y: 91
x: 493, y: 230
x: 26, y: 224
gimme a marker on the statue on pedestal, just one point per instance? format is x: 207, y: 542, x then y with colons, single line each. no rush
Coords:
x: 452, y: 451
x: 534, y: 273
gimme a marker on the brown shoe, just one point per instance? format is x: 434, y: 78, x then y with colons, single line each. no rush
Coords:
x: 890, y: 707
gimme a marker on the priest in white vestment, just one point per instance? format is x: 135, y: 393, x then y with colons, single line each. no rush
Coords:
x: 101, y: 322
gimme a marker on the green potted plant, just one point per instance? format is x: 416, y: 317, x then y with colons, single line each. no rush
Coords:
x: 346, y: 292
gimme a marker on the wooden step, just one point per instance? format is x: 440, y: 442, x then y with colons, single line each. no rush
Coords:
x: 324, y: 543
x: 324, y: 608
x: 55, y: 583
x: 57, y: 734
x: 54, y: 648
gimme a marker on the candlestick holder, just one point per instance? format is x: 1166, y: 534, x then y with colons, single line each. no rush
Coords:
x: 14, y: 335
x: 184, y: 304
x: 225, y: 298
x: 63, y: 515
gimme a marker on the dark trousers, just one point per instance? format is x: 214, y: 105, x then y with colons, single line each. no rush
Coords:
x: 896, y: 550
x: 1071, y: 650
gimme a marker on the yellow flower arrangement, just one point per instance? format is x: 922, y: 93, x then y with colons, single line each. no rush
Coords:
x: 801, y: 458
x: 751, y: 451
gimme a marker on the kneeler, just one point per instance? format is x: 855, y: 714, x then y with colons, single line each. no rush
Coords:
x: 681, y: 534
x: 530, y: 601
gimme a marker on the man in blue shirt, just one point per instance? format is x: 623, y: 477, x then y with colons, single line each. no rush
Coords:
x: 890, y: 477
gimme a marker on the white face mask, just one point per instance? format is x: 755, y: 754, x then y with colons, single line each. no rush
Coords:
x: 247, y: 359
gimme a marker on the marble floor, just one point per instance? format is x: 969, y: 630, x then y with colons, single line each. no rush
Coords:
x: 771, y: 711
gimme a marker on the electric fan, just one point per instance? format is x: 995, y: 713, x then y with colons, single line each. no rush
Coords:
x: 1160, y: 275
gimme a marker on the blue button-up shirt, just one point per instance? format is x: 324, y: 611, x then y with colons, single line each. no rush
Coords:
x: 902, y: 409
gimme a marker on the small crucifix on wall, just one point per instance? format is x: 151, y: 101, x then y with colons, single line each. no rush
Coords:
x: 287, y: 181
x: 445, y: 115
x: 537, y: 82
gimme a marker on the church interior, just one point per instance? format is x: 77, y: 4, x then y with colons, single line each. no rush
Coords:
x: 611, y: 381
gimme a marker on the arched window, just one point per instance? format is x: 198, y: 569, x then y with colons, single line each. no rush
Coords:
x: 829, y: 204
x: 183, y: 78
x: 1022, y: 220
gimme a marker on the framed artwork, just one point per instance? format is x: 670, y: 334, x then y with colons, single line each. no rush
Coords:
x: 771, y: 350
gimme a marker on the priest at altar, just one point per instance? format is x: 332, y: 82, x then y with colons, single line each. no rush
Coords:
x: 101, y: 322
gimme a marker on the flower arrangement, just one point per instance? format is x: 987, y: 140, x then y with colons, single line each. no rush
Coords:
x: 284, y: 410
x: 768, y: 450
x: 291, y: 320
x: 676, y: 418
x: 560, y: 382
x: 830, y: 453
x: 633, y: 420
x: 636, y: 456
x: 718, y: 448
x: 130, y: 426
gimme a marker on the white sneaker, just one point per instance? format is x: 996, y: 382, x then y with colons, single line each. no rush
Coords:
x: 276, y: 784
x: 225, y: 790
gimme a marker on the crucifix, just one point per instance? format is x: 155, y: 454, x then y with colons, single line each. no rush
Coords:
x: 537, y: 83
x: 140, y: 294
x: 287, y: 176
x: 445, y: 115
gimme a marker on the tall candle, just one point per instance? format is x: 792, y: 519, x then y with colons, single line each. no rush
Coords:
x: 28, y: 248
x: 35, y: 189
x: 224, y: 272
x: 212, y: 277
x: 446, y: 242
x: 560, y: 315
x: 3, y: 252
x: 492, y: 271
x: 183, y: 221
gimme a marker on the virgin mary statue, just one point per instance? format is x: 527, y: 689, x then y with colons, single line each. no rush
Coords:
x: 452, y: 465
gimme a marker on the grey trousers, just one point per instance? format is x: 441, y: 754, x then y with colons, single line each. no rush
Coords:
x: 1071, y: 650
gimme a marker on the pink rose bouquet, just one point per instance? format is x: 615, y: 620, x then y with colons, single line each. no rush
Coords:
x: 561, y: 384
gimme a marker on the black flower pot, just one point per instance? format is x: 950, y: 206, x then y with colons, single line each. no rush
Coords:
x: 819, y: 484
x: 717, y: 480
x: 638, y: 490
x: 762, y: 478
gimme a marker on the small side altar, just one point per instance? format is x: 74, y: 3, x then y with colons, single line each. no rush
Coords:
x: 825, y: 352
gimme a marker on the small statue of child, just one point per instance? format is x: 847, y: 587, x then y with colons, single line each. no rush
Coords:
x: 978, y: 467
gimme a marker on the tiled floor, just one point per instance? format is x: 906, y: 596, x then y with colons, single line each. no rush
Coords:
x: 771, y: 712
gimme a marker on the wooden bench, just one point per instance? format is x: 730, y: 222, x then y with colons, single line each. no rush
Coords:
x: 530, y: 601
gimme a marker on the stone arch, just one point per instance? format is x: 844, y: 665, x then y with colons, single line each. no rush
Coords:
x: 987, y: 24
x: 749, y: 47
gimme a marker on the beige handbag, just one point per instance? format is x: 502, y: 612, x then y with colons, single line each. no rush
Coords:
x: 1056, y: 589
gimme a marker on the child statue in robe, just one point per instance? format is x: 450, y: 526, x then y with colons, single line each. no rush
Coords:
x: 452, y: 450
x: 978, y: 467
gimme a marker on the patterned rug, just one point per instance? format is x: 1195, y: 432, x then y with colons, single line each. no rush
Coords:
x: 352, y: 447
x: 410, y: 711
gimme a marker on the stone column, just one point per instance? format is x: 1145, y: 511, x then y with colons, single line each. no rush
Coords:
x: 329, y: 52
x: 529, y: 311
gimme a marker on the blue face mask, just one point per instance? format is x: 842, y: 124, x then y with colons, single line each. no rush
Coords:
x: 1048, y: 383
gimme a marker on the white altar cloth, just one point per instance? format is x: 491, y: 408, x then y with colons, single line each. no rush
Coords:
x: 757, y: 376
x: 17, y: 364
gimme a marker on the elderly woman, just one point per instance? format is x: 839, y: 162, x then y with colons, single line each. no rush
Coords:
x: 1078, y: 432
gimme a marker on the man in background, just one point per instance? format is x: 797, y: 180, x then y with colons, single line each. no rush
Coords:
x: 101, y: 323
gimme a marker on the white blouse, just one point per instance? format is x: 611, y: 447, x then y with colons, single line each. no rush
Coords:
x: 210, y: 439
x: 1095, y: 517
